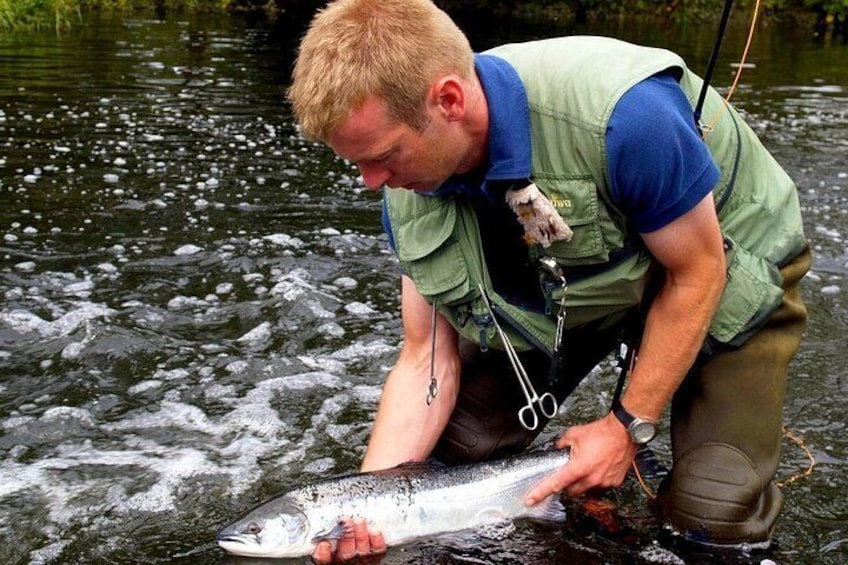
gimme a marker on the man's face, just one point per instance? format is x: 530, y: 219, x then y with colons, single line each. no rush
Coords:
x: 388, y: 152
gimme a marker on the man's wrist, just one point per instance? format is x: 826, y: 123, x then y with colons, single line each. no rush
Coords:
x: 641, y: 430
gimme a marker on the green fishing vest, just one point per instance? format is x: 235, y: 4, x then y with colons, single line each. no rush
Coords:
x: 572, y: 86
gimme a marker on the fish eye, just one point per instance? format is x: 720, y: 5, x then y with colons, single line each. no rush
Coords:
x: 253, y: 528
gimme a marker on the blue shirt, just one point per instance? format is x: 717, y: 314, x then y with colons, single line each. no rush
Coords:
x: 659, y: 168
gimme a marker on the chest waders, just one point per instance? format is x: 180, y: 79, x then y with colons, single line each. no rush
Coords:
x: 606, y: 267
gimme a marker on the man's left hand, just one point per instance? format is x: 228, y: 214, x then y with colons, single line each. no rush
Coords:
x: 601, y: 453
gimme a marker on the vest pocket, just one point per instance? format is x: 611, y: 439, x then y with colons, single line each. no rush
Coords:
x: 430, y: 254
x: 752, y: 293
x: 577, y: 202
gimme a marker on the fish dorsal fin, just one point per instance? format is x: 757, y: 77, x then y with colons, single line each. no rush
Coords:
x: 413, y: 467
x: 549, y: 509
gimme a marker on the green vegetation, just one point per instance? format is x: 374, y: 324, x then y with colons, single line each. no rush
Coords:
x: 64, y: 14
x: 61, y: 15
x: 34, y: 14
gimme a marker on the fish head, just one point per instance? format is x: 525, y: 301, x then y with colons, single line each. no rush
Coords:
x: 276, y: 528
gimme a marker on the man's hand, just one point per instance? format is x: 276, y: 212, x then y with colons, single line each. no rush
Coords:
x: 357, y: 542
x: 601, y: 453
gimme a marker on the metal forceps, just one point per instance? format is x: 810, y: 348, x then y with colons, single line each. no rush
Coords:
x: 547, y: 403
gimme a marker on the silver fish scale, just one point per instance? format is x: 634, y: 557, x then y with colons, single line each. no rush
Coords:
x: 415, y: 500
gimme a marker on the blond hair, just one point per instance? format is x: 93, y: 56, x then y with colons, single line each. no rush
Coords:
x: 393, y: 49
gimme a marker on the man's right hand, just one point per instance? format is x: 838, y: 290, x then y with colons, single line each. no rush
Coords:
x: 357, y: 542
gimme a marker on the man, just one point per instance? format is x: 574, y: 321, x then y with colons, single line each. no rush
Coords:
x: 557, y: 196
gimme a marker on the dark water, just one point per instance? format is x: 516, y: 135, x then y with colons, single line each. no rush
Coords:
x: 198, y: 307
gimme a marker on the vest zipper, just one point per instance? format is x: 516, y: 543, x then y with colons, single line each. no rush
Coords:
x: 520, y: 329
x: 483, y: 323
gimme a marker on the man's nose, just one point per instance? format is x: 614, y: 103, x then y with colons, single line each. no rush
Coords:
x: 374, y: 175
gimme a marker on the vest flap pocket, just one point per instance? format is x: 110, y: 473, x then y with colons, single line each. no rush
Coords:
x: 419, y: 238
x: 752, y: 293
x: 430, y: 254
x: 576, y: 200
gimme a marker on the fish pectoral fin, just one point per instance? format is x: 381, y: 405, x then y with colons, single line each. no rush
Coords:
x: 549, y: 509
x: 338, y: 531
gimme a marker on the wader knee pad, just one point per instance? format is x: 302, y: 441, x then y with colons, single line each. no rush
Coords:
x: 715, y: 496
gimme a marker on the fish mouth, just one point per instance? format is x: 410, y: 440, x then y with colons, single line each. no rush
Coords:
x: 245, y: 546
x: 234, y: 543
x: 239, y: 545
x: 223, y: 538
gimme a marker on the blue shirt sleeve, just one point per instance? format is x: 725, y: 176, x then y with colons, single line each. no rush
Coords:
x: 387, y: 226
x: 659, y: 168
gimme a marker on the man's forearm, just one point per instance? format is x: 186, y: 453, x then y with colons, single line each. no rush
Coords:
x: 675, y: 329
x: 690, y: 250
x: 406, y: 427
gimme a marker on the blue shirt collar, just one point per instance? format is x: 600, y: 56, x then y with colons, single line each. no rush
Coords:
x: 509, y: 130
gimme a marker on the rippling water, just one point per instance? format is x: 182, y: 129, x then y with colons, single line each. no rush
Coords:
x: 198, y: 306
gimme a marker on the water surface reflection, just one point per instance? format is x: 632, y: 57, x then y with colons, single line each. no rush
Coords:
x: 198, y: 305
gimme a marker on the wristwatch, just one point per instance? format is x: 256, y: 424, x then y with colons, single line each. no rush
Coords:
x: 641, y: 430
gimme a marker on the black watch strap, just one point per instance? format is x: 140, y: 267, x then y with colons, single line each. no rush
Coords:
x: 620, y: 412
x: 641, y: 430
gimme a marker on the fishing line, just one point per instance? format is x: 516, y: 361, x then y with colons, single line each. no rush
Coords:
x: 705, y: 130
x: 803, y: 445
x: 781, y: 484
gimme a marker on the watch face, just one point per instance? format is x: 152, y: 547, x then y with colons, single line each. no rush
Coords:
x: 643, y: 431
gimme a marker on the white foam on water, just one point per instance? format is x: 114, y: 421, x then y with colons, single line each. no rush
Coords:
x: 359, y: 309
x: 331, y: 329
x: 231, y: 444
x: 658, y: 554
x: 363, y: 351
x: 368, y: 395
x: 24, y: 321
x: 320, y: 466
x: 72, y: 350
x: 188, y: 249
x: 497, y: 531
x: 259, y: 335
x: 237, y: 367
x: 284, y: 240
x: 64, y: 413
x: 346, y: 283
x: 224, y: 288
x: 339, y: 432
x: 331, y: 365
x: 49, y: 553
x: 172, y: 374
x: 186, y: 303
x: 174, y: 466
x: 219, y: 391
x: 81, y: 289
x: 144, y: 386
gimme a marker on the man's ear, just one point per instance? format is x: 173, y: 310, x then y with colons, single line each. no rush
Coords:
x: 447, y: 96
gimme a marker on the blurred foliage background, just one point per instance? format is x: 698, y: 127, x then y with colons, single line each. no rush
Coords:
x: 64, y: 15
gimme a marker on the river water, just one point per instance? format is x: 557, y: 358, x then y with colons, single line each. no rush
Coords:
x: 197, y: 307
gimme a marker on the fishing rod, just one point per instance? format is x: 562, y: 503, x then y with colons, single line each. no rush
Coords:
x: 708, y: 75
